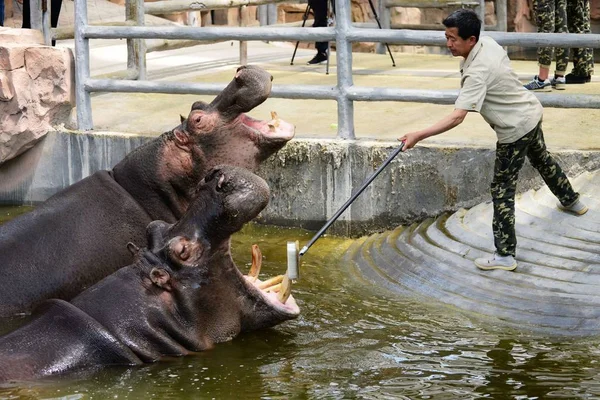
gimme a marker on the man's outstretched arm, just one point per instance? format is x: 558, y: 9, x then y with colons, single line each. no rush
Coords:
x: 453, y: 119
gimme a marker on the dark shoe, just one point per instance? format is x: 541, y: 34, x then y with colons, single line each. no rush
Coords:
x: 318, y: 59
x: 572, y: 78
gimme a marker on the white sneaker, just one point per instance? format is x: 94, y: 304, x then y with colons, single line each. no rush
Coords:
x: 496, y: 261
x: 577, y: 208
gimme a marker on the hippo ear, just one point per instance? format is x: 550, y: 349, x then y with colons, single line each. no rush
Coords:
x: 182, y: 138
x: 181, y: 118
x: 161, y: 278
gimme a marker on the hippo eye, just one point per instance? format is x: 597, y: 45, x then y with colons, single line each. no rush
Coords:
x: 197, y: 119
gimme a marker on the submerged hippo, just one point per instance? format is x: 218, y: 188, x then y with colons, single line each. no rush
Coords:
x: 182, y: 294
x: 76, y: 237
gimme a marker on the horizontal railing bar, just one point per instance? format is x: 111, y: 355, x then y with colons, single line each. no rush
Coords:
x: 429, y: 4
x: 321, y: 92
x: 170, y: 6
x: 406, y: 37
x: 437, y: 38
x: 358, y: 93
x: 210, y: 33
x: 318, y: 92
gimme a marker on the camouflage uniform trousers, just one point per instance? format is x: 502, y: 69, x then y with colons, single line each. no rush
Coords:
x: 510, y: 158
x: 578, y: 21
x: 551, y: 17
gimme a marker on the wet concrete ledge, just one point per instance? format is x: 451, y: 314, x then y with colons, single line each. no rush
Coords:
x: 310, y: 179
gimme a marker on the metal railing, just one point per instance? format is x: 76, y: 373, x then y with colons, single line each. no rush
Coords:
x: 344, y: 34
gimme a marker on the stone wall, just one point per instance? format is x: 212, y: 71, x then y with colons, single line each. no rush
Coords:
x: 36, y: 89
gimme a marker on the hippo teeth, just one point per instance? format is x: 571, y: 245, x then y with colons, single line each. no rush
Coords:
x: 274, y: 123
x: 286, y: 289
x: 269, y: 283
x: 280, y: 284
x: 256, y: 263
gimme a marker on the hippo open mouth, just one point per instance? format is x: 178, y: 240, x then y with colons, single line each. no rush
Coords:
x: 276, y: 291
x: 274, y: 129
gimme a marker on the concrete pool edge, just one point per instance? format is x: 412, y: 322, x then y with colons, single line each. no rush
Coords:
x: 309, y: 178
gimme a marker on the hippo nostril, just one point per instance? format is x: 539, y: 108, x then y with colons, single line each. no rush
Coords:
x: 220, y: 183
x: 271, y: 78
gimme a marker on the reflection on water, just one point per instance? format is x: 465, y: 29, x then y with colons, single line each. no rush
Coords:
x: 352, y: 340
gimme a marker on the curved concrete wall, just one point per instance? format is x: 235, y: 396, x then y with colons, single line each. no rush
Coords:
x: 310, y: 179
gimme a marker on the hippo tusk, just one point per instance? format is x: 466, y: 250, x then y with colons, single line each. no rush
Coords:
x: 274, y: 123
x: 275, y: 288
x: 270, y: 282
x: 286, y: 289
x: 256, y: 263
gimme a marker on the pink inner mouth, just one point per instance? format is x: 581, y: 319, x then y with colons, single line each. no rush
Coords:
x: 281, y: 130
x: 289, y: 307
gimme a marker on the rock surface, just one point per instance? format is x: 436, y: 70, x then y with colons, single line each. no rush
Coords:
x: 36, y: 89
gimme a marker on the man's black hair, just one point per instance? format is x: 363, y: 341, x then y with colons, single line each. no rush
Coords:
x: 467, y: 22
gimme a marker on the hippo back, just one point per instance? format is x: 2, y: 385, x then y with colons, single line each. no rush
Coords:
x: 68, y: 243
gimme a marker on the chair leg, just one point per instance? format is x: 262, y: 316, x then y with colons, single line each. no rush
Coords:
x: 379, y: 25
x: 306, y: 12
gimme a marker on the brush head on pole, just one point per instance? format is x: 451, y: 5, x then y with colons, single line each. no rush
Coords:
x: 293, y: 260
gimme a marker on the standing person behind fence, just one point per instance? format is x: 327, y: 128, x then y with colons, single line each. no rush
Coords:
x: 578, y: 19
x: 55, y: 6
x: 550, y: 16
x: 491, y: 87
x: 319, y: 9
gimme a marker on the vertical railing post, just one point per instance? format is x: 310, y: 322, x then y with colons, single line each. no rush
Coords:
x: 385, y: 19
x: 83, y: 101
x: 46, y: 22
x: 136, y: 48
x: 481, y: 9
x: 343, y: 23
x: 262, y: 15
x: 501, y: 15
x: 244, y: 21
x: 35, y: 14
x: 271, y: 14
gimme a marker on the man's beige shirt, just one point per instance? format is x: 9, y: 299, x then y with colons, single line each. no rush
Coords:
x: 491, y: 87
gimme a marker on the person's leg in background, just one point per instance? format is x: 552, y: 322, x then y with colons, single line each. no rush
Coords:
x: 562, y: 55
x: 544, y: 16
x: 578, y: 18
x: 319, y: 9
x: 55, y: 6
x: 2, y: 12
x: 26, y: 16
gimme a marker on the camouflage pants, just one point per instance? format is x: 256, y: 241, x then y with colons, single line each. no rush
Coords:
x: 509, y: 160
x: 578, y: 20
x: 551, y: 17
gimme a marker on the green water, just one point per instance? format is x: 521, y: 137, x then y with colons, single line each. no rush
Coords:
x: 352, y: 341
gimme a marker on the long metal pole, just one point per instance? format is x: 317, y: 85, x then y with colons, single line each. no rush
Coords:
x: 351, y: 200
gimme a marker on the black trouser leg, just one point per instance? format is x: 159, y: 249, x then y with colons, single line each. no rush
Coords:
x: 26, y: 16
x: 319, y: 8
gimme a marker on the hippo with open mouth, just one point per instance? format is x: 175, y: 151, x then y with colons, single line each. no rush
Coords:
x: 76, y: 237
x: 182, y: 294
